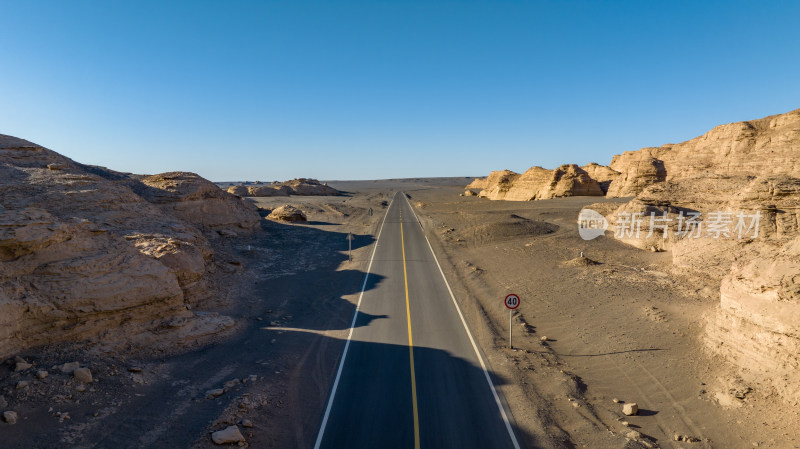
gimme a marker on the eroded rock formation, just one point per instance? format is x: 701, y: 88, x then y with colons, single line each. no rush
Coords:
x: 87, y: 251
x: 539, y: 183
x: 299, y: 186
x: 763, y: 147
x: 766, y: 146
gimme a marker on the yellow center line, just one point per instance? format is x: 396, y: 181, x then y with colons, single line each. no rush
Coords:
x: 410, y: 345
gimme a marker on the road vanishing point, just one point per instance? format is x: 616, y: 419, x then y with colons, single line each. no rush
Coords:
x: 416, y: 377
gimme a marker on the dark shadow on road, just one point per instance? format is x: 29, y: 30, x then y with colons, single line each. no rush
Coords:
x: 373, y: 403
x: 295, y: 280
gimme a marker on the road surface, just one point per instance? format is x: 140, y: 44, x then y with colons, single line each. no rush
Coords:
x: 414, y: 378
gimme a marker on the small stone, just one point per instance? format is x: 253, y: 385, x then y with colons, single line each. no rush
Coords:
x: 80, y: 388
x: 211, y: 394
x: 544, y: 338
x: 630, y: 409
x: 252, y: 378
x: 22, y: 384
x: 676, y: 437
x: 3, y: 402
x: 625, y: 423
x: 633, y: 435
x: 18, y: 359
x: 615, y: 400
x: 42, y: 374
x: 576, y: 404
x: 227, y: 436
x: 231, y: 383
x: 82, y: 375
x: 10, y: 417
x: 69, y: 368
x: 22, y: 366
x: 247, y: 423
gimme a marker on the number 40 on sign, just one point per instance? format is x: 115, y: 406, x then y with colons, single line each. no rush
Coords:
x: 512, y: 302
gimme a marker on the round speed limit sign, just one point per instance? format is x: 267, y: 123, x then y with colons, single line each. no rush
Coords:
x: 512, y: 301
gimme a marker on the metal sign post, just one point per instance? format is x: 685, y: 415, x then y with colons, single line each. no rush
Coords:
x: 350, y: 246
x: 512, y: 302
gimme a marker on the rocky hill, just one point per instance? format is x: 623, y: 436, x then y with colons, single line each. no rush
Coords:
x: 89, y: 252
x: 741, y: 182
x: 749, y: 148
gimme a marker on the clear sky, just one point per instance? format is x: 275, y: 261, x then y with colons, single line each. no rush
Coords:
x: 240, y: 90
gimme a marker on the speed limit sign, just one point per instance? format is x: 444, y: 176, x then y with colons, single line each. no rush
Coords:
x: 512, y: 301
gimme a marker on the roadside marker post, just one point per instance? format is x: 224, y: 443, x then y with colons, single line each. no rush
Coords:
x: 350, y: 246
x: 512, y: 302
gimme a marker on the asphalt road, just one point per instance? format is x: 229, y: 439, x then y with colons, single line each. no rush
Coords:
x: 413, y: 378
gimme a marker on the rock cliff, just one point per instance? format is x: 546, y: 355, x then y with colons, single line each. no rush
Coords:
x: 750, y: 148
x: 767, y: 146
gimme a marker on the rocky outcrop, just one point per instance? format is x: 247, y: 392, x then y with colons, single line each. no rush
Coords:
x: 757, y: 326
x: 309, y: 187
x: 239, y: 191
x: 267, y: 191
x: 602, y: 174
x: 496, y: 184
x: 747, y: 242
x: 199, y: 201
x: 299, y: 186
x: 750, y: 148
x: 638, y: 170
x: 86, y: 251
x: 540, y: 183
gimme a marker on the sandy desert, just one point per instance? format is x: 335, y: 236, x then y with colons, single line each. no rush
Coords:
x: 170, y: 311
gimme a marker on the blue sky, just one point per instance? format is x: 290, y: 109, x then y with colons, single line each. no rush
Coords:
x: 238, y: 90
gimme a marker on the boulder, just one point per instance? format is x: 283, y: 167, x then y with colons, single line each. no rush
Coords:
x: 10, y: 417
x: 229, y: 435
x: 630, y: 409
x: 82, y: 375
x: 287, y: 213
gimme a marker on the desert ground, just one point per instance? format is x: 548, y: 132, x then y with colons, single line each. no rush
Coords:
x: 618, y: 325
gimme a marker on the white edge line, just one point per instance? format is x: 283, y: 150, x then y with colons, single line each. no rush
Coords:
x: 350, y: 335
x: 472, y: 340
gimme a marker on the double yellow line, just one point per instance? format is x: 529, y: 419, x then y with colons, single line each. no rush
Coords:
x: 410, y: 342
